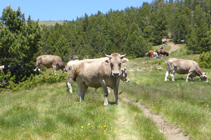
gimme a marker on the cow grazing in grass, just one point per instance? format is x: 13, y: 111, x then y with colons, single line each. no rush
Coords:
x: 163, y: 52
x: 102, y: 72
x: 184, y: 66
x: 50, y: 61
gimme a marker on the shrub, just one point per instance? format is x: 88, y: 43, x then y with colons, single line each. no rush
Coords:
x: 32, y: 81
x: 204, y: 60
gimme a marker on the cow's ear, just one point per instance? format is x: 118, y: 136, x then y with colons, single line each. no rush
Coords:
x: 106, y: 61
x: 124, y: 60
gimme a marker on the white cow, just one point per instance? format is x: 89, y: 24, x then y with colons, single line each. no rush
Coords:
x: 184, y: 66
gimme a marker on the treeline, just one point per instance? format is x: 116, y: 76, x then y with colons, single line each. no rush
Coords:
x: 132, y: 30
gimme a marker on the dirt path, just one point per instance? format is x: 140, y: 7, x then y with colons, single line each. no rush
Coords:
x: 174, y: 47
x: 170, y: 131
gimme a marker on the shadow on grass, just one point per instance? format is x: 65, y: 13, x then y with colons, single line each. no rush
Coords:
x: 112, y: 103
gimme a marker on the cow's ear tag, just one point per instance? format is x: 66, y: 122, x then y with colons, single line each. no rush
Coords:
x: 124, y: 60
x: 106, y: 62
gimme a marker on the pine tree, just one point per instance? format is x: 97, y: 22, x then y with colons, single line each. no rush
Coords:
x: 19, y: 40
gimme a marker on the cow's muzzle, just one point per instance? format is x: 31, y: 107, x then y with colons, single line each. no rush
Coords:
x: 115, y: 74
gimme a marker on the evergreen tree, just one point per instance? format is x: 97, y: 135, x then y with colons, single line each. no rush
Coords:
x: 19, y: 39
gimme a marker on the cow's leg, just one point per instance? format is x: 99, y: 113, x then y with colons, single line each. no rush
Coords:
x: 54, y: 69
x: 172, y: 76
x: 109, y: 91
x: 192, y: 79
x: 37, y: 66
x: 166, y: 75
x: 81, y: 89
x: 190, y: 72
x: 105, y: 90
x: 69, y: 86
x: 116, y: 87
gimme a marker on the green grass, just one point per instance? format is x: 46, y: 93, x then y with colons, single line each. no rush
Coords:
x: 186, y: 104
x: 51, y: 112
x: 51, y: 23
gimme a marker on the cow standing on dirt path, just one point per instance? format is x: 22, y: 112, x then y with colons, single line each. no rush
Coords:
x: 98, y: 73
x: 50, y: 61
x: 184, y: 66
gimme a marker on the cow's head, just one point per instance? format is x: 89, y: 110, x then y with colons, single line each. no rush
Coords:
x: 115, y: 60
x: 204, y: 77
x: 124, y: 76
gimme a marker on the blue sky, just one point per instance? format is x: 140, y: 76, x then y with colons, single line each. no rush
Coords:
x: 45, y: 10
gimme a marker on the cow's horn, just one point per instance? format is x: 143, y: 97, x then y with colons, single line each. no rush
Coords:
x: 106, y: 55
x: 121, y: 56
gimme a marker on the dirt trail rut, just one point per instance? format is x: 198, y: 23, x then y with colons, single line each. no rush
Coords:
x: 174, y: 47
x: 170, y: 131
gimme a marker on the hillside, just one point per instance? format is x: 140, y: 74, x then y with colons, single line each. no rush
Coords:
x: 50, y: 23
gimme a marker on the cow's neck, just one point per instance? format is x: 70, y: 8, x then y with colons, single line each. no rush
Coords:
x: 199, y: 72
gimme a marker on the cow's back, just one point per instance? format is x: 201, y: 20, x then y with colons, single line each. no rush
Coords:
x: 182, y: 66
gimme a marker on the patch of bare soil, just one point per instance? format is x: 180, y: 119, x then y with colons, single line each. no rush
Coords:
x: 174, y: 47
x: 170, y: 131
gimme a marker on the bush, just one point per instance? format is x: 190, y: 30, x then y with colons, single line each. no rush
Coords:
x: 204, y: 60
x: 32, y: 81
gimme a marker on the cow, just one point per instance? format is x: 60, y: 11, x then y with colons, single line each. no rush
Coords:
x: 50, y: 61
x: 123, y: 77
x: 184, y: 66
x: 163, y: 52
x: 104, y: 72
x: 151, y: 53
x: 71, y: 64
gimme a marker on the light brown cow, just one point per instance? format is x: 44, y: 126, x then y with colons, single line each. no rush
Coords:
x: 123, y: 76
x: 184, y: 66
x: 98, y: 73
x: 50, y: 61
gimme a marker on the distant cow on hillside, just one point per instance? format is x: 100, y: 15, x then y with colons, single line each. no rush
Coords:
x: 50, y: 61
x: 163, y: 52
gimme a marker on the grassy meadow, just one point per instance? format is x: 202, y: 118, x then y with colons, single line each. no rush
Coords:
x: 51, y: 23
x: 49, y: 111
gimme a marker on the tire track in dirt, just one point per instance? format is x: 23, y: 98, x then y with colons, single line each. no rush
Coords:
x: 171, y: 132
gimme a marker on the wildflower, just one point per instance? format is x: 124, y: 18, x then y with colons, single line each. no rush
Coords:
x: 104, y: 125
x: 82, y: 127
x: 88, y: 123
x: 102, y: 117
